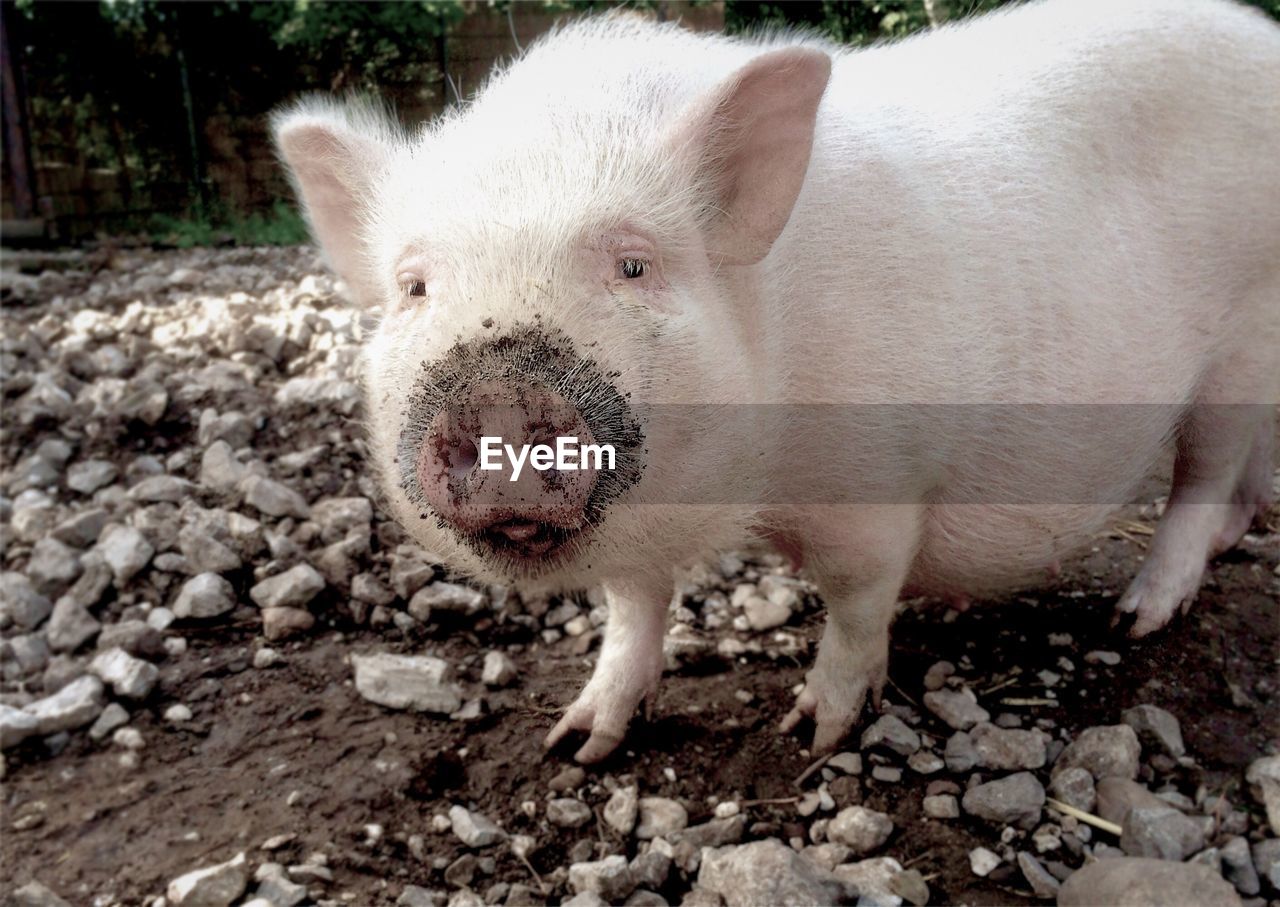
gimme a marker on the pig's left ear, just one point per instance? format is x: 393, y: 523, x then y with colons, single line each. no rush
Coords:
x: 752, y: 137
x: 335, y: 153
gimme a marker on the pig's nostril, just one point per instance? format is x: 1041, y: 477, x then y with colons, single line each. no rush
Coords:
x: 461, y: 458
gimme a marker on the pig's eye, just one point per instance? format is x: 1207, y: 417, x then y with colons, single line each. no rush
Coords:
x: 633, y: 268
x: 414, y: 288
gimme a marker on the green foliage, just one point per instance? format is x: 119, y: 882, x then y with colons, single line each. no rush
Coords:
x: 852, y: 22
x: 282, y: 226
x: 360, y: 45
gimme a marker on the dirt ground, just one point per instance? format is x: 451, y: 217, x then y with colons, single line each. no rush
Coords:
x: 294, y: 750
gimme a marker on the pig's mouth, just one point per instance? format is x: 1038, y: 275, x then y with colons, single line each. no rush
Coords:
x: 525, y: 543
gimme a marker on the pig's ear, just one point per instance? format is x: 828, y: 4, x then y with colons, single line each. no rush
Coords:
x: 335, y: 154
x: 752, y: 137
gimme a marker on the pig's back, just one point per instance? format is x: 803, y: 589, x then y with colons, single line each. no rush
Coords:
x: 1069, y: 203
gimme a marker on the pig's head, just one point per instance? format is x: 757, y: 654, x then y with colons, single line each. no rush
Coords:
x: 562, y: 258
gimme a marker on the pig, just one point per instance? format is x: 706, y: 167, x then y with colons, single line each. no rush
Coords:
x: 922, y: 315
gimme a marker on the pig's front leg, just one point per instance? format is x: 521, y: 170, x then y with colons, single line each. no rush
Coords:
x: 860, y: 569
x: 628, y: 671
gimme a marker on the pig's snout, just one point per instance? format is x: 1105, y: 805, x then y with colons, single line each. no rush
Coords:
x: 505, y: 468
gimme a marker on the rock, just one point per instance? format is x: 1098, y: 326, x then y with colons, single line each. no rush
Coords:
x: 1041, y: 881
x: 82, y: 529
x: 651, y: 868
x: 20, y: 603
x: 892, y: 733
x: 1263, y: 778
x: 125, y: 550
x: 1107, y: 751
x: 33, y: 894
x: 941, y: 806
x: 73, y: 706
x: 416, y: 682
x: 982, y: 862
x: 622, y: 810
x: 767, y: 872
x: 273, y: 498
x: 90, y: 475
x: 136, y: 637
x: 204, y: 596
x: 276, y: 888
x: 162, y: 490
x: 30, y: 654
x: 873, y: 881
x: 566, y: 812
x: 1008, y: 749
x: 146, y: 401
x: 958, y: 708
x: 570, y: 778
x: 1116, y: 796
x: 70, y: 625
x: 365, y: 587
x: 204, y: 552
x: 960, y: 753
x: 763, y: 614
x: 291, y: 589
x: 52, y: 566
x: 113, y: 718
x: 860, y: 829
x: 1238, y: 868
x: 472, y: 828
x: 1074, y: 787
x: 1266, y: 860
x: 1157, y: 729
x: 128, y: 677
x: 214, y: 886
x: 16, y: 726
x: 849, y: 763
x: 1014, y: 800
x: 660, y: 817
x: 233, y: 427
x: 609, y: 878
x: 282, y: 623
x: 499, y: 670
x: 220, y: 471
x: 715, y: 833
x: 1136, y: 882
x: 448, y: 597
x: 338, y: 516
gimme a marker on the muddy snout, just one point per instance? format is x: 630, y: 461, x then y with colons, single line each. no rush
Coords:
x: 509, y: 466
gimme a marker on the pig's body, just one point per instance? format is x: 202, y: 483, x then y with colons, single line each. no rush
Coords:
x: 1064, y: 204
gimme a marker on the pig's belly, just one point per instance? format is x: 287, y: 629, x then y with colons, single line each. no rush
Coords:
x: 984, y: 549
x: 1008, y: 521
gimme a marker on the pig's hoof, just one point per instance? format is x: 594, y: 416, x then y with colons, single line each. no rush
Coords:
x: 603, y: 719
x: 833, y: 707
x: 1152, y: 605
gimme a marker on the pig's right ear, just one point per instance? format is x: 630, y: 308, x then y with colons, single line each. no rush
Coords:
x: 335, y: 154
x: 751, y: 139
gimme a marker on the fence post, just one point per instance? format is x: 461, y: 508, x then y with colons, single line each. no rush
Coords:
x: 17, y: 147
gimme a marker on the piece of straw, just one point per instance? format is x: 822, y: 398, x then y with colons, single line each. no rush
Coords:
x: 1086, y: 818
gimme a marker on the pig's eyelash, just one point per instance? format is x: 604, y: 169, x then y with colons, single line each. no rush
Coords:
x: 632, y: 268
x: 413, y: 289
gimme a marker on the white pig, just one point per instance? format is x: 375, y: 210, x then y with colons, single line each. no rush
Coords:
x: 908, y: 259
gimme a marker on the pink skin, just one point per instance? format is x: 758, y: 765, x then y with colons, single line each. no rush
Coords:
x: 472, y: 499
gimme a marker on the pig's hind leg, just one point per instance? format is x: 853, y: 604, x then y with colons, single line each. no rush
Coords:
x: 1221, y: 483
x: 626, y: 674
x: 860, y: 561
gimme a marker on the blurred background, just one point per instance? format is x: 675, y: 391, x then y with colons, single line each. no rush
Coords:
x: 146, y: 119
